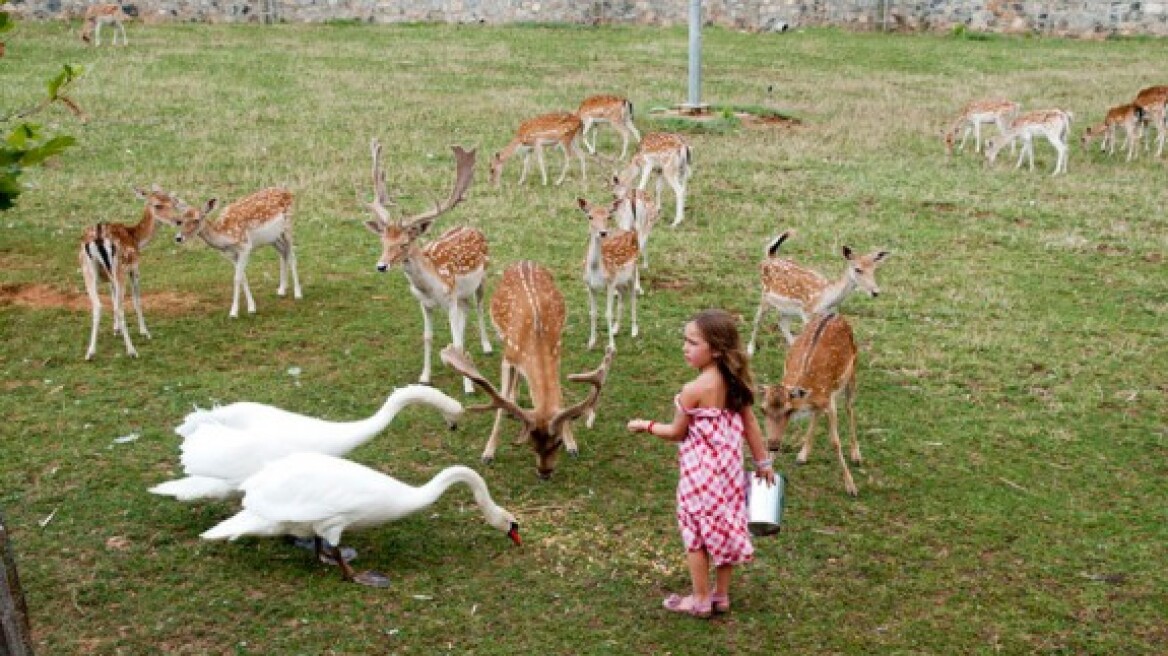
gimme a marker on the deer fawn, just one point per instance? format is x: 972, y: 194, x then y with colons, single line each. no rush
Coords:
x: 635, y: 211
x: 448, y: 272
x: 1054, y: 124
x: 978, y: 112
x: 614, y: 110
x: 668, y: 155
x: 1153, y: 101
x: 111, y: 251
x: 610, y: 265
x: 528, y: 312
x: 561, y: 128
x: 260, y: 219
x: 104, y: 14
x: 1130, y: 117
x: 821, y: 366
x: 796, y: 291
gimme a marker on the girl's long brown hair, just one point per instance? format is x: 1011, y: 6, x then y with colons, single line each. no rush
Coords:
x: 720, y: 331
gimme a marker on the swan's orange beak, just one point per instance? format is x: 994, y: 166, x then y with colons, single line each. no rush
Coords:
x: 514, y: 534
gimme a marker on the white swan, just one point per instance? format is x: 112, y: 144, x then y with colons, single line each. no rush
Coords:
x: 311, y: 495
x: 222, y: 447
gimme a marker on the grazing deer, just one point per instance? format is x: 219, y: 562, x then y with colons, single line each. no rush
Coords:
x: 448, y: 272
x: 635, y: 211
x: 561, y: 129
x: 610, y: 265
x: 1153, y: 101
x: 260, y: 219
x: 796, y: 291
x: 614, y: 110
x: 1130, y: 117
x: 528, y: 312
x: 1054, y: 124
x: 821, y: 366
x: 976, y: 113
x: 668, y: 155
x: 111, y: 251
x: 104, y: 14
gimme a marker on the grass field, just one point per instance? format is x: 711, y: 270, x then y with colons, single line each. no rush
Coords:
x: 1012, y: 381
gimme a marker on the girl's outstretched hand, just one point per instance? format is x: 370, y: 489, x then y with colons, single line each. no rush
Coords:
x: 637, y: 425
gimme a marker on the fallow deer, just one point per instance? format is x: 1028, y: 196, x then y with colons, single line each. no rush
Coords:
x: 667, y: 154
x: 104, y: 14
x: 635, y: 211
x: 610, y: 265
x: 1154, y: 102
x: 820, y: 367
x: 446, y: 273
x: 614, y: 110
x: 977, y: 113
x: 260, y: 219
x: 1130, y: 117
x: 797, y: 291
x: 528, y: 312
x: 1053, y: 124
x: 560, y: 129
x: 112, y: 251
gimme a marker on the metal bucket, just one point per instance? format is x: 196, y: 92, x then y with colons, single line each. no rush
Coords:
x: 764, y: 505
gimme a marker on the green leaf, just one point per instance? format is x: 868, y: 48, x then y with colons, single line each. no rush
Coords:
x: 6, y: 22
x: 53, y: 146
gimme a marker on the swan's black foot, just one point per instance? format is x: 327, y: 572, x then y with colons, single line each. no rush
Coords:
x: 348, y: 553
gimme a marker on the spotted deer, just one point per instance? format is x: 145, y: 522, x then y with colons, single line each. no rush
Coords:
x: 668, y: 155
x: 104, y: 14
x: 635, y: 210
x: 613, y: 110
x: 610, y: 265
x: 975, y: 114
x: 447, y: 273
x: 1130, y: 117
x: 528, y: 312
x: 559, y: 129
x: 796, y: 291
x: 1153, y: 101
x: 112, y: 251
x: 263, y: 218
x: 820, y: 368
x: 1053, y: 124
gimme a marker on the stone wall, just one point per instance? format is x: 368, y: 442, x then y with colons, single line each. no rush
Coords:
x: 1085, y: 18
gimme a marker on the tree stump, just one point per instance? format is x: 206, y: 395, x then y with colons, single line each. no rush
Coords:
x: 15, y: 635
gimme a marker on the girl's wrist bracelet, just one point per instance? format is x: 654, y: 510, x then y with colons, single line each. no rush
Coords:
x: 649, y: 428
x: 764, y: 464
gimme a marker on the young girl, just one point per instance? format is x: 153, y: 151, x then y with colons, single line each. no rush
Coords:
x: 713, y: 415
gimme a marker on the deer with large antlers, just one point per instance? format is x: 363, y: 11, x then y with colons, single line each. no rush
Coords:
x: 528, y: 312
x: 562, y: 129
x: 111, y: 251
x: 613, y: 110
x: 610, y: 265
x: 796, y: 291
x: 820, y: 368
x: 263, y: 218
x: 668, y: 155
x: 449, y: 272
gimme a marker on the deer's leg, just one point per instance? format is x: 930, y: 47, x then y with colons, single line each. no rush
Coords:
x: 631, y: 292
x: 591, y: 317
x: 89, y: 273
x: 120, y: 308
x: 239, y: 260
x: 785, y: 327
x: 542, y: 165
x: 588, y: 127
x: 282, y: 248
x: 613, y: 325
x: 678, y: 183
x: 805, y: 450
x: 833, y: 428
x: 290, y: 256
x: 1022, y: 156
x: 762, y: 307
x: 458, y: 311
x: 526, y: 163
x: 850, y: 398
x: 97, y: 34
x: 427, y: 343
x: 137, y: 296
x: 483, y: 339
x: 493, y: 441
x: 1060, y: 165
x: 977, y: 136
x: 575, y: 147
x: 122, y: 30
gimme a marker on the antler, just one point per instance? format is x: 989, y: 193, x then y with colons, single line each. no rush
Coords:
x: 460, y: 361
x: 464, y: 173
x: 381, y: 201
x: 596, y: 377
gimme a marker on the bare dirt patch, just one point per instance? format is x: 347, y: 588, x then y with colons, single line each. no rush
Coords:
x: 45, y: 297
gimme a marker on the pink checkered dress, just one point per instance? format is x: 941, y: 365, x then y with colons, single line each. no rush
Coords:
x: 711, y: 493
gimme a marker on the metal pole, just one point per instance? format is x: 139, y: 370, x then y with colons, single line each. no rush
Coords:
x: 695, y: 55
x: 15, y: 635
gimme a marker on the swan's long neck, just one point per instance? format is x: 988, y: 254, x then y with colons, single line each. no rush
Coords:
x: 430, y: 492
x: 355, y: 433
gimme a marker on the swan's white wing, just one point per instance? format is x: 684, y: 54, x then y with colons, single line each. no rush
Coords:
x: 311, y: 487
x: 231, y: 454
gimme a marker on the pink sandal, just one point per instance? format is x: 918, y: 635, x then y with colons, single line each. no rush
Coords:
x: 720, y: 603
x: 688, y: 605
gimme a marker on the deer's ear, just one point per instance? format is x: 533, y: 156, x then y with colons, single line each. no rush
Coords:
x: 583, y: 204
x: 210, y: 205
x: 847, y: 253
x: 881, y: 256
x: 415, y: 230
x: 376, y: 227
x: 140, y: 193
